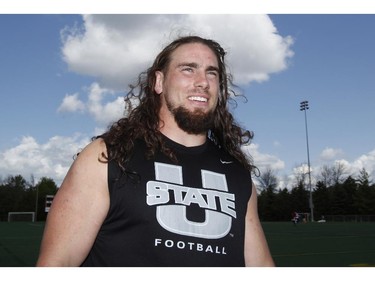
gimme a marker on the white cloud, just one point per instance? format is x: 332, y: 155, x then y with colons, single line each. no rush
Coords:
x: 115, y: 48
x: 366, y: 161
x: 255, y: 49
x: 71, y: 103
x: 302, y: 169
x: 102, y: 104
x: 262, y: 160
x: 329, y: 154
x: 51, y: 159
x: 333, y: 156
x: 104, y: 112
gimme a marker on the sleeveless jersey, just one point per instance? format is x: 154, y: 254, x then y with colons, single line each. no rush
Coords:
x: 189, y: 213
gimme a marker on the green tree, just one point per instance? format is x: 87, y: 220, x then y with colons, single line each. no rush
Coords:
x: 343, y: 197
x: 266, y: 205
x: 322, y: 200
x: 267, y: 183
x: 300, y: 198
x: 45, y: 186
x: 12, y: 195
x: 365, y: 195
x: 267, y: 180
x: 283, y: 208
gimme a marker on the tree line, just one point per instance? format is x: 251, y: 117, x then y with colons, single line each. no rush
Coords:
x: 19, y: 195
x: 334, y: 193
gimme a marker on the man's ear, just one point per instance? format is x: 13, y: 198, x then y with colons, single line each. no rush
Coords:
x: 159, y: 82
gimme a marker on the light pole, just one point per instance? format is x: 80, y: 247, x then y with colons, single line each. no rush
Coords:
x: 304, y: 106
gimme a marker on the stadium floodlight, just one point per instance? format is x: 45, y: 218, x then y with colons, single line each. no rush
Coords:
x: 304, y: 106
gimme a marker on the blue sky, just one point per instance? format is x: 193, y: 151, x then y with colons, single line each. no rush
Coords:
x: 332, y: 68
x: 63, y: 78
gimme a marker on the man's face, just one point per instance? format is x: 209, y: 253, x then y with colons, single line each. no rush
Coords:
x: 190, y: 87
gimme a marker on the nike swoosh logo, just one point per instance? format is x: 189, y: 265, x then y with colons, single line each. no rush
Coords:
x: 226, y: 162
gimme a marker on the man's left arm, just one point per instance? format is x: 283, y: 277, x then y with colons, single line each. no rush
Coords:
x: 257, y: 252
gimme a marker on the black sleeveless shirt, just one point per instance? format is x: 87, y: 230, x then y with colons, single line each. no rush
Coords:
x: 165, y: 214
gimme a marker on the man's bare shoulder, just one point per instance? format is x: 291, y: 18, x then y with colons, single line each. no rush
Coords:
x: 90, y: 166
x: 94, y: 150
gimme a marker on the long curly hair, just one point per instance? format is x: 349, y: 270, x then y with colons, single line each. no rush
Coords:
x: 143, y: 104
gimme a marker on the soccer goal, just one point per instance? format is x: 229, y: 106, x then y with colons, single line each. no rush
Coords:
x: 21, y: 216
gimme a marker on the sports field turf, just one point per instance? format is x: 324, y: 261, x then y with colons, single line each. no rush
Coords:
x: 303, y: 245
x: 321, y: 244
x: 19, y: 243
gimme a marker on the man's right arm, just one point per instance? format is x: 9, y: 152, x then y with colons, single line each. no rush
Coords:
x: 78, y: 210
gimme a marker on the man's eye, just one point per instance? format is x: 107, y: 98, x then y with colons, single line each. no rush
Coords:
x: 188, y: 69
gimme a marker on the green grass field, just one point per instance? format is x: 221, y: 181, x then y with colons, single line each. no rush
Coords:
x: 321, y: 244
x: 19, y: 243
x: 303, y: 245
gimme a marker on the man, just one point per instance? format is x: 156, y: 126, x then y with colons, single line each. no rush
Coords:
x: 168, y: 185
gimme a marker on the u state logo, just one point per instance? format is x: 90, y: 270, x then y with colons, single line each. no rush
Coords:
x: 172, y: 198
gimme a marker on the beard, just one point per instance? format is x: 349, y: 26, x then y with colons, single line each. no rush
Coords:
x: 192, y: 122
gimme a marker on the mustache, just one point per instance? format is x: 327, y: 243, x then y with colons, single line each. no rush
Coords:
x: 199, y: 91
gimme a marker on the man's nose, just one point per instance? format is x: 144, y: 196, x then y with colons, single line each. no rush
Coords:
x: 201, y: 80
